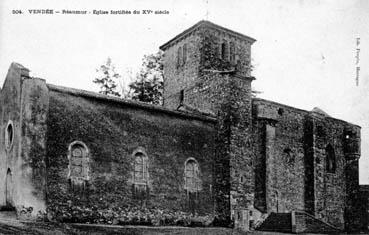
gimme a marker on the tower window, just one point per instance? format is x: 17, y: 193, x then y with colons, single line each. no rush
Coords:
x: 232, y: 52
x: 184, y: 53
x: 330, y: 159
x: 78, y: 157
x: 140, y: 176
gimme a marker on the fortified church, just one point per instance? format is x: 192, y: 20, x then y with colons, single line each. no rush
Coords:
x: 212, y: 150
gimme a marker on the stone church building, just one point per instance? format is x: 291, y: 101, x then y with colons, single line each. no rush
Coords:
x: 212, y: 149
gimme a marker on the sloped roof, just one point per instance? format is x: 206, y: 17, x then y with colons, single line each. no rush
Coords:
x: 208, y: 24
x: 316, y: 110
x: 97, y: 96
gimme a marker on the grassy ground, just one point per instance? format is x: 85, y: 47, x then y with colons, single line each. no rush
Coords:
x: 10, y: 225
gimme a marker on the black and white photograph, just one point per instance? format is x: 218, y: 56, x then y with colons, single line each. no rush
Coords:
x: 194, y: 117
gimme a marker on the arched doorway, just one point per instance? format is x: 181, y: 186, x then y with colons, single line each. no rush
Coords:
x: 9, y: 189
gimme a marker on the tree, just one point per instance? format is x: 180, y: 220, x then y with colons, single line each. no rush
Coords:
x: 148, y: 86
x: 107, y: 79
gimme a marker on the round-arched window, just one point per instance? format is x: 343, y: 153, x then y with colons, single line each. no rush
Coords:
x: 140, y: 188
x: 78, y: 161
x: 9, y: 135
x: 192, y: 175
x: 141, y: 169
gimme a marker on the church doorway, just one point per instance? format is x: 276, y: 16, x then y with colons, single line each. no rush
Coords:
x: 9, y: 189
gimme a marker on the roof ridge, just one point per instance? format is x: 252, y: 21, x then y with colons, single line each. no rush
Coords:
x: 208, y: 24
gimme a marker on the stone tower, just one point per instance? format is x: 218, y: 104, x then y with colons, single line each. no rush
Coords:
x: 203, y: 50
x: 207, y: 70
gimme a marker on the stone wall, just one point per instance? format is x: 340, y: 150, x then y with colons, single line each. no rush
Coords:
x: 364, y: 207
x: 292, y: 144
x: 24, y: 104
x: 306, y: 223
x: 112, y: 130
x: 330, y: 188
x: 279, y: 157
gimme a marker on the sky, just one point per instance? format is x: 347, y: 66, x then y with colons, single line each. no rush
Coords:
x: 305, y: 54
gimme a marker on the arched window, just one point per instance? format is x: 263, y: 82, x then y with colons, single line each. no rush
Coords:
x: 184, y: 53
x: 224, y: 50
x: 192, y: 176
x: 78, y: 156
x: 192, y: 184
x: 140, y: 175
x: 232, y: 52
x: 9, y: 135
x: 330, y: 159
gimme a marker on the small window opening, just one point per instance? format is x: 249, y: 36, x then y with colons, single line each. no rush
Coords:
x: 280, y: 111
x: 9, y: 135
x: 239, y: 215
x: 181, y: 97
x: 179, y: 57
x: 251, y: 224
x: 330, y: 159
x: 184, y: 53
x: 224, y: 50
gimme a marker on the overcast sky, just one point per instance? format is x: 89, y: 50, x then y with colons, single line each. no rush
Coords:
x: 304, y: 55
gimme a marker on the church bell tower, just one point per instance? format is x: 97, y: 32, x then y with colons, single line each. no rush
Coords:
x: 207, y: 70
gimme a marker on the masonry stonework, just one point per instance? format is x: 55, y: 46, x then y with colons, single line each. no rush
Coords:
x: 24, y: 105
x: 76, y: 155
